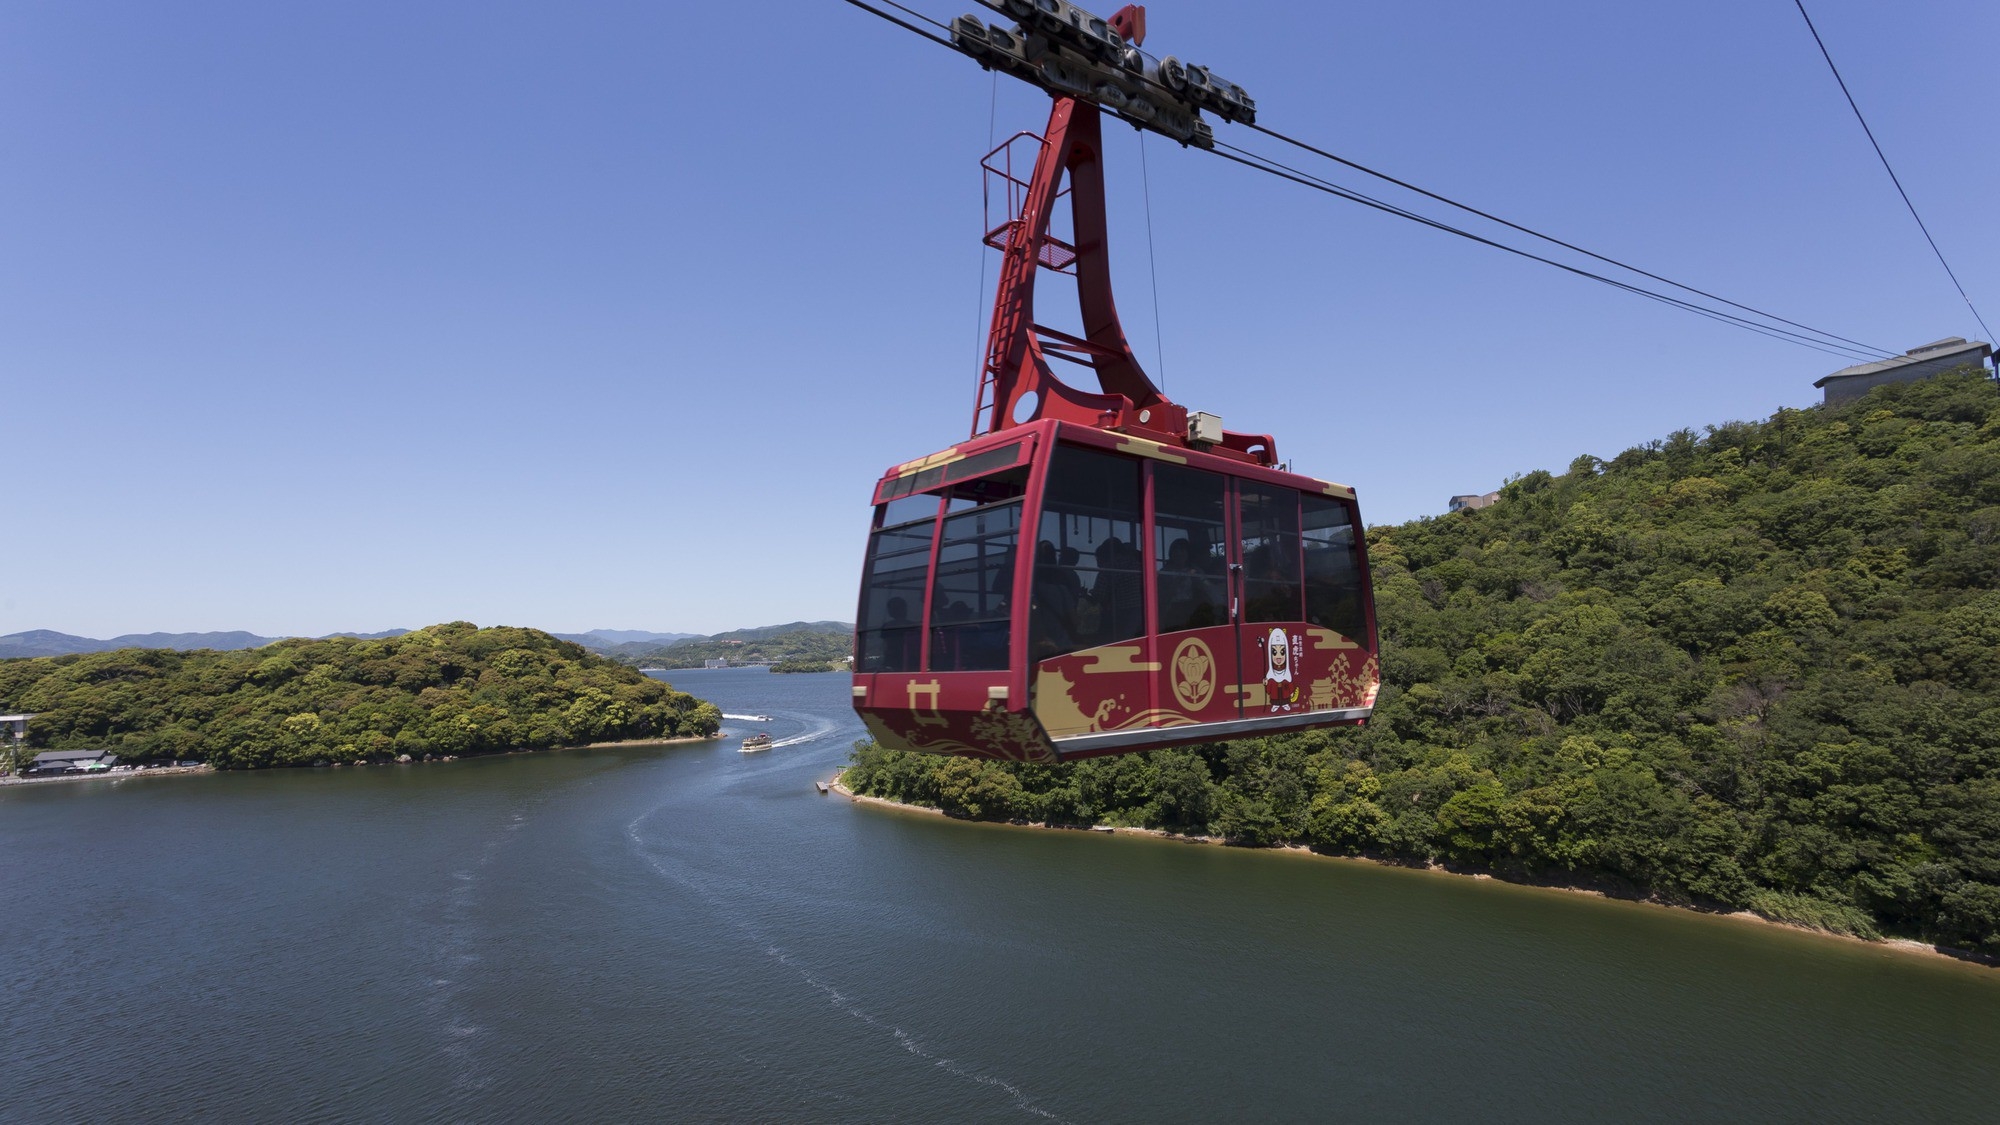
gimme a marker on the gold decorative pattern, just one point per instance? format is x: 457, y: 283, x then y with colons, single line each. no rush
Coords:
x: 936, y: 717
x: 1325, y: 640
x: 931, y: 462
x: 1194, y: 674
x: 1252, y: 694
x: 1011, y: 735
x: 1058, y: 710
x: 1153, y: 449
x: 1117, y: 658
x: 1348, y: 685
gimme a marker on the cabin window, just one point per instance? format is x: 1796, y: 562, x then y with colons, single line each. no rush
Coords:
x: 1089, y: 580
x: 994, y: 489
x: 979, y: 464
x: 1333, y: 568
x: 907, y: 508
x: 1270, y: 532
x: 892, y: 588
x: 975, y: 585
x: 1188, y: 545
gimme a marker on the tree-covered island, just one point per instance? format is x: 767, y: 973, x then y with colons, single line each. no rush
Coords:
x: 797, y: 650
x: 452, y: 689
x: 1754, y: 668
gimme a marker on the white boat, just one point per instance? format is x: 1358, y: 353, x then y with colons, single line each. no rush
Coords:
x: 756, y: 742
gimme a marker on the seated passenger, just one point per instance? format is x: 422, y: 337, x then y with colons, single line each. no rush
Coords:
x: 1052, y: 610
x: 898, y: 643
x: 1066, y: 570
x: 1118, y: 591
x: 1183, y: 591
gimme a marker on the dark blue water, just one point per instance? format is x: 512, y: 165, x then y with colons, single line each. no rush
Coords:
x: 691, y: 933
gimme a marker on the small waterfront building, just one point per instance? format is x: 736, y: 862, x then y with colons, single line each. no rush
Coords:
x: 716, y: 662
x: 1850, y: 383
x: 1473, y: 501
x: 72, y: 761
x: 15, y: 727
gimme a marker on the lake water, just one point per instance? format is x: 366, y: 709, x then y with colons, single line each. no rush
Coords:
x: 691, y: 933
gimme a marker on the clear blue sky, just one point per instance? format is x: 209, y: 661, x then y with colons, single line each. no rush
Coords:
x: 609, y: 314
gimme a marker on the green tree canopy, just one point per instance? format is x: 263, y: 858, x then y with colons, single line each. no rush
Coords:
x: 1757, y: 666
x: 449, y: 689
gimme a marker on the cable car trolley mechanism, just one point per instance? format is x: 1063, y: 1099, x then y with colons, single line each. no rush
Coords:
x: 1100, y: 572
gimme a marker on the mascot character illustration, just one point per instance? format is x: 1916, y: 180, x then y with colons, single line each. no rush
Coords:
x: 1279, y: 688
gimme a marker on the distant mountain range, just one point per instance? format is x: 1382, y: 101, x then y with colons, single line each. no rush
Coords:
x: 767, y: 632
x: 601, y: 638
x: 48, y: 642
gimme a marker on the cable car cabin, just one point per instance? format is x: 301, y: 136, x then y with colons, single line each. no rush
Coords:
x: 1098, y: 572
x: 1056, y: 590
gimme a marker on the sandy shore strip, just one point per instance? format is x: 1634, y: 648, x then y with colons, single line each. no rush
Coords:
x: 1900, y: 945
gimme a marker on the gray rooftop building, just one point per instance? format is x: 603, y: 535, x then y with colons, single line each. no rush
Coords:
x: 1850, y: 383
x: 72, y: 761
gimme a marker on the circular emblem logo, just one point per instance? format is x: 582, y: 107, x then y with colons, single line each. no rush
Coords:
x: 1194, y: 674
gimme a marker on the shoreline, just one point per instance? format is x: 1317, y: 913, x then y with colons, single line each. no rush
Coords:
x: 106, y: 775
x: 431, y: 759
x: 1895, y: 944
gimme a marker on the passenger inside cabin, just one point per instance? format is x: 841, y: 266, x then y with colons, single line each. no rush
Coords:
x: 899, y: 638
x: 1067, y: 558
x: 1188, y: 596
x: 1055, y: 597
x: 1118, y: 591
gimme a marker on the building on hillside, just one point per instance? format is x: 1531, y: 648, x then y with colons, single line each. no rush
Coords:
x: 1471, y: 502
x: 1850, y: 383
x: 72, y: 761
x: 13, y: 735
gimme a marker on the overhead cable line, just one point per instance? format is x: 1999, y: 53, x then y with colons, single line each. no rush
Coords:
x: 914, y: 14
x: 1831, y: 339
x: 1307, y: 179
x: 1886, y: 168
x: 1468, y: 208
x: 904, y: 24
x: 1818, y: 339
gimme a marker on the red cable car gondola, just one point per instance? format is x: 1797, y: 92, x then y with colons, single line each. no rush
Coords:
x: 1100, y: 573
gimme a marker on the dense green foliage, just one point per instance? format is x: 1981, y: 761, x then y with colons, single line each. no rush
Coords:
x: 800, y: 645
x: 1757, y: 667
x: 809, y: 666
x: 448, y: 690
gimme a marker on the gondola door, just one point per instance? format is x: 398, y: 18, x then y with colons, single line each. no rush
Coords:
x: 1270, y: 601
x: 1231, y: 637
x: 1195, y: 603
x: 1302, y: 629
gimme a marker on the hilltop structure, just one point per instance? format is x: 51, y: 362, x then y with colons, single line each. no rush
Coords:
x: 1473, y: 501
x: 1918, y: 363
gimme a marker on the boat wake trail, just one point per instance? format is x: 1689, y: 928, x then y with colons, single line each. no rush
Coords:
x: 820, y: 727
x: 676, y: 873
x: 909, y: 1043
x: 456, y: 958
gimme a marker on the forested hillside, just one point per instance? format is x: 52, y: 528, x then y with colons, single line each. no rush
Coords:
x: 450, y: 689
x: 1755, y: 667
x: 798, y: 646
